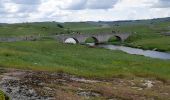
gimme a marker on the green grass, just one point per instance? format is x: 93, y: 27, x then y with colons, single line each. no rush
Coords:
x: 2, y: 96
x: 48, y: 28
x: 86, y: 28
x: 95, y: 30
x: 91, y: 40
x: 160, y: 43
x: 80, y: 60
x: 26, y: 29
x: 79, y: 25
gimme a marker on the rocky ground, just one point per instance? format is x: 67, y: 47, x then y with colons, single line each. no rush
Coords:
x: 35, y: 85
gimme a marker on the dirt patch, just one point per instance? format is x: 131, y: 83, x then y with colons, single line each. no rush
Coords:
x: 32, y: 85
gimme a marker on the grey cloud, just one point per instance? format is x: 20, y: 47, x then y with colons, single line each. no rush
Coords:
x: 16, y: 15
x: 77, y: 5
x: 2, y: 11
x: 92, y: 4
x: 24, y: 8
x: 101, y: 4
x: 27, y: 8
x: 2, y: 8
x: 26, y: 2
x: 1, y: 4
x: 162, y: 4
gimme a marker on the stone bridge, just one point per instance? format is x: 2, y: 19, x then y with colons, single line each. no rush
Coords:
x: 99, y: 38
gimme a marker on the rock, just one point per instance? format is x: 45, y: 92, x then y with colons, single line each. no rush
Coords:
x: 132, y: 83
x: 41, y: 84
x: 8, y: 90
x: 35, y: 63
x: 165, y: 94
x: 21, y: 89
x: 154, y: 49
x: 148, y: 84
x: 83, y: 80
x: 88, y: 94
x: 47, y: 88
x: 137, y: 88
x: 113, y: 99
x: 31, y: 91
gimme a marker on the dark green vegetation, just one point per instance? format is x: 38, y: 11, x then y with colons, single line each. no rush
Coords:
x: 2, y: 96
x: 91, y: 40
x: 49, y: 55
x: 113, y: 40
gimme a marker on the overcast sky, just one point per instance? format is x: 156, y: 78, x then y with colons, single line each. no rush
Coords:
x: 12, y: 11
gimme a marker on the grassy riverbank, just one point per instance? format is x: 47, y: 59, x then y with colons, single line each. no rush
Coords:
x: 148, y: 36
x: 158, y: 44
x: 80, y: 60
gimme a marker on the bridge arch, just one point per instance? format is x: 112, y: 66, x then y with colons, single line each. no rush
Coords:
x: 114, y: 38
x: 71, y: 40
x: 91, y: 40
x: 118, y: 38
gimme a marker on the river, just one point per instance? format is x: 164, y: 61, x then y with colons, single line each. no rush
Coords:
x: 135, y: 51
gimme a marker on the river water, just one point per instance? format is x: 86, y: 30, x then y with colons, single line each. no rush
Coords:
x: 135, y: 51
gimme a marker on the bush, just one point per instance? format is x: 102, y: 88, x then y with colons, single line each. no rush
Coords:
x: 60, y: 26
x: 2, y: 96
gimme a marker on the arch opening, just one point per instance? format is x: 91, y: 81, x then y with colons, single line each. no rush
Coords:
x: 91, y: 41
x: 114, y: 39
x: 71, y: 41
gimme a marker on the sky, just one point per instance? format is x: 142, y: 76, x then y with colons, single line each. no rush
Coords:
x: 16, y: 11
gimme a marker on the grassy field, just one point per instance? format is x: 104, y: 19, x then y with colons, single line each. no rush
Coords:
x: 26, y: 29
x: 80, y: 60
x: 48, y: 55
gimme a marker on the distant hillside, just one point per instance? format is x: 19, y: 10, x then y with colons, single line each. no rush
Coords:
x: 53, y: 28
x: 2, y: 24
x: 131, y: 22
x: 96, y: 24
